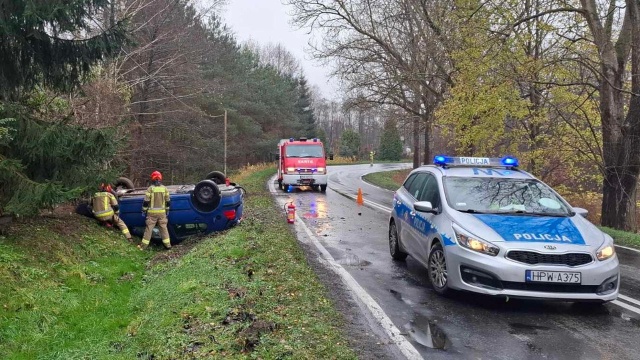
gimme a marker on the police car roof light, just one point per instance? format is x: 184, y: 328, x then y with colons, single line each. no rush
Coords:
x: 445, y: 161
x: 509, y: 161
x: 442, y: 160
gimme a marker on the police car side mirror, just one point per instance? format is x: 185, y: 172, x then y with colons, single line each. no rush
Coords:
x: 424, y: 206
x: 580, y: 211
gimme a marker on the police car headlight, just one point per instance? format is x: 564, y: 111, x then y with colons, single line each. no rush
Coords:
x: 475, y: 244
x: 605, y: 252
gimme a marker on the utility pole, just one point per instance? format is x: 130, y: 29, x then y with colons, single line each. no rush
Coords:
x: 225, y: 142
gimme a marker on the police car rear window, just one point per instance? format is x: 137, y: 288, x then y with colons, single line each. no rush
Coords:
x: 503, y: 195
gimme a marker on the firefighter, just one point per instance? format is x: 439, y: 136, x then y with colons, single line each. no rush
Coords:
x: 104, y: 206
x: 156, y: 207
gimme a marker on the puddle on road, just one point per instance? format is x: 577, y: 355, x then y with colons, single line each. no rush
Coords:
x: 426, y: 332
x: 353, y: 260
x: 399, y: 296
x: 522, y: 329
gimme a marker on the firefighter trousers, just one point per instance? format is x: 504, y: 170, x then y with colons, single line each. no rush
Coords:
x: 115, y: 219
x: 151, y: 221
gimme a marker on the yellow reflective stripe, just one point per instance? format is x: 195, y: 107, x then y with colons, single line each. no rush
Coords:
x: 166, y: 241
x: 106, y: 202
x: 145, y: 241
x: 156, y: 211
x: 125, y: 231
x: 105, y: 216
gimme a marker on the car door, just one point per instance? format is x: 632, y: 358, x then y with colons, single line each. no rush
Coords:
x: 423, y: 222
x: 406, y: 197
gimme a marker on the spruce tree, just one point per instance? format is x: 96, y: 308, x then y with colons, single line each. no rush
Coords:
x: 390, y: 143
x: 305, y: 111
x: 44, y: 162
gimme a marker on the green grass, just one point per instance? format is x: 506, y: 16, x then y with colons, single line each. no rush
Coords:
x: 392, y: 180
x: 246, y: 293
x: 623, y: 237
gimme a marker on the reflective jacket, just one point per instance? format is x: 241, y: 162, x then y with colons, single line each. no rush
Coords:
x: 103, y: 203
x: 156, y: 200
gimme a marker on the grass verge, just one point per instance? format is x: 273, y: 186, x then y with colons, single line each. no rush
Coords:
x: 73, y: 290
x: 392, y: 180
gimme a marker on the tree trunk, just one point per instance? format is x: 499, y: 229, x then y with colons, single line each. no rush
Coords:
x: 427, y: 137
x: 416, y: 142
x: 622, y: 157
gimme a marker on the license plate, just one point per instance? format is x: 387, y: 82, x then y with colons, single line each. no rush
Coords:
x: 564, y: 277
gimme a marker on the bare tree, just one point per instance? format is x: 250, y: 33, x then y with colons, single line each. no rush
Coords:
x: 387, y: 52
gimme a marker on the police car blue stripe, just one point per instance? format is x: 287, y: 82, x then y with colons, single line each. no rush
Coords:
x: 421, y: 224
x: 534, y: 228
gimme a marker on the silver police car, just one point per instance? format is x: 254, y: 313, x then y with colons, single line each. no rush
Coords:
x: 483, y: 225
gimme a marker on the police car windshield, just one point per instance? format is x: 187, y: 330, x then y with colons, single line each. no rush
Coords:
x: 503, y: 196
x: 313, y: 151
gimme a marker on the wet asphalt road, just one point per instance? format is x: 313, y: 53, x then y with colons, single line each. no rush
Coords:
x: 464, y: 325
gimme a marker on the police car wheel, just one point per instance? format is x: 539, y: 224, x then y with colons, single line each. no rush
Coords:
x: 394, y: 243
x: 437, y: 269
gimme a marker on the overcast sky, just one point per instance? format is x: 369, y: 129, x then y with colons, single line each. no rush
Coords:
x: 267, y: 21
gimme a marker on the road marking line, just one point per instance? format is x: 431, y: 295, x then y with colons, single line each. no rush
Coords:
x: 628, y: 299
x: 379, y: 315
x: 627, y: 248
x: 628, y: 307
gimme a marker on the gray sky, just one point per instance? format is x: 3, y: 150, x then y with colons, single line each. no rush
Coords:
x: 267, y: 21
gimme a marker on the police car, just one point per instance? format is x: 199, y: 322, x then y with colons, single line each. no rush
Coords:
x: 485, y: 226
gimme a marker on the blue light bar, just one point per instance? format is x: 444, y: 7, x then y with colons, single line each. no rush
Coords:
x: 445, y: 161
x: 292, y: 139
x: 509, y: 161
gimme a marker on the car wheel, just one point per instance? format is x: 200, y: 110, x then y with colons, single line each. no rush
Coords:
x: 437, y: 269
x: 123, y: 183
x: 217, y: 176
x: 206, y: 196
x: 394, y: 243
x: 323, y: 188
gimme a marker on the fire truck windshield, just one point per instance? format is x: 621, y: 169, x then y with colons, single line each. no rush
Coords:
x: 304, y: 151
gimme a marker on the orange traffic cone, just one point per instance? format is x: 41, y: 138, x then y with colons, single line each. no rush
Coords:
x: 359, y: 199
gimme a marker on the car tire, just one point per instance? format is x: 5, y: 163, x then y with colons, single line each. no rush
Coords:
x: 437, y: 269
x: 206, y: 196
x: 123, y: 183
x: 217, y: 176
x: 323, y: 188
x: 394, y: 243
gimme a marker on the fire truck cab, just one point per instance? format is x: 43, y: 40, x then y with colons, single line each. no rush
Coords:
x: 302, y: 162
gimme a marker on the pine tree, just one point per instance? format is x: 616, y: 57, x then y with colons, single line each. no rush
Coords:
x: 38, y: 46
x: 390, y: 143
x: 45, y: 162
x: 305, y: 111
x: 350, y: 143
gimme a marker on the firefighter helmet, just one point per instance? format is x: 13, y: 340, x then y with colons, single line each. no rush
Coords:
x: 106, y: 187
x: 156, y: 175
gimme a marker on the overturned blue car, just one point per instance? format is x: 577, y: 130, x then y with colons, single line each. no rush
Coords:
x: 211, y: 205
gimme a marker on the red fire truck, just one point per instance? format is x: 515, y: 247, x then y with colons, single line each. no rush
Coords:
x: 302, y: 162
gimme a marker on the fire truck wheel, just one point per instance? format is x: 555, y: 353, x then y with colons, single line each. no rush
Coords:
x: 123, y: 183
x: 217, y: 176
x: 323, y: 188
x: 315, y: 187
x: 206, y: 196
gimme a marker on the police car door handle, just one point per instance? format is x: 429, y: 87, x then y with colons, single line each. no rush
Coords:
x: 412, y: 213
